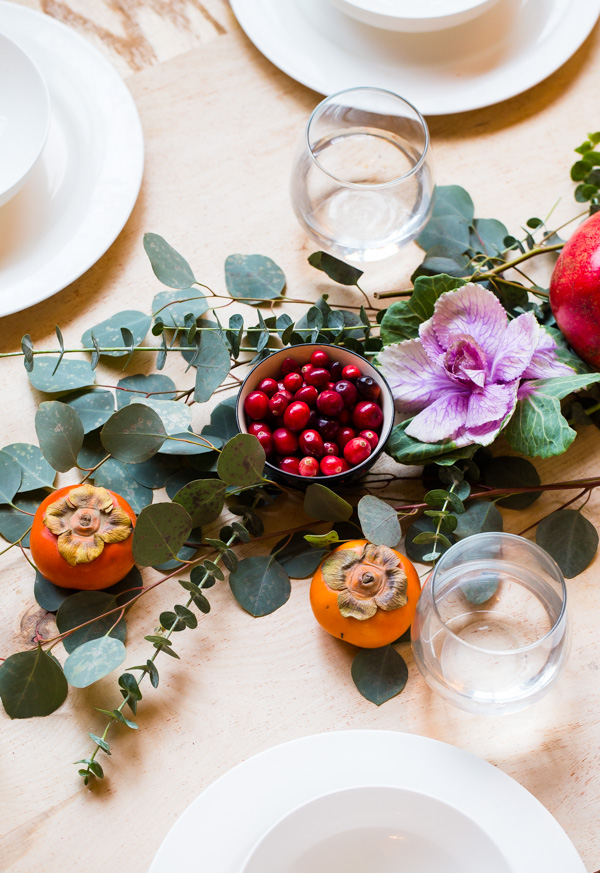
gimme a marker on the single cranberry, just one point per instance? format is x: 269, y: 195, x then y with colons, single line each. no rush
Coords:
x: 344, y: 417
x: 256, y: 405
x: 318, y: 376
x: 308, y: 394
x: 331, y: 466
x: 290, y: 465
x: 368, y: 388
x: 320, y: 358
x: 309, y: 466
x: 330, y: 403
x: 265, y: 438
x: 367, y: 415
x: 351, y: 372
x: 347, y: 391
x: 268, y: 387
x: 331, y: 449
x: 370, y: 436
x: 328, y: 427
x: 345, y: 465
x: 336, y: 370
x: 290, y: 366
x: 296, y: 416
x: 293, y: 381
x: 306, y: 369
x: 257, y: 426
x: 313, y: 420
x: 311, y: 443
x: 278, y: 404
x: 345, y: 435
x: 285, y: 441
x: 330, y: 386
x: 357, y: 450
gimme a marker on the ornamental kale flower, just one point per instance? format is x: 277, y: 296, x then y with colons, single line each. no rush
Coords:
x: 462, y: 378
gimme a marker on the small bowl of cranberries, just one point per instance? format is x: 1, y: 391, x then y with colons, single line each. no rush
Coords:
x: 321, y: 413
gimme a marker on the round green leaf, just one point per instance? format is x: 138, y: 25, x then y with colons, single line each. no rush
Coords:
x: 168, y: 265
x: 36, y: 472
x: 176, y: 482
x: 570, y: 538
x: 154, y: 472
x: 127, y: 588
x: 108, y: 332
x: 508, y: 472
x: 379, y: 674
x: 298, y: 558
x: 32, y: 684
x: 160, y: 532
x: 185, y: 553
x: 253, y: 276
x: 13, y: 523
x: 60, y: 434
x: 93, y: 407
x: 223, y: 421
x: 379, y: 521
x: 203, y: 499
x: 68, y: 376
x: 242, y: 461
x: 85, y: 606
x: 323, y: 503
x: 176, y: 417
x: 419, y: 551
x: 481, y: 517
x: 189, y: 444
x: 212, y: 366
x: 93, y: 660
x: 337, y: 270
x: 48, y: 595
x: 10, y: 477
x: 117, y: 477
x: 133, y: 434
x: 260, y: 585
x: 132, y: 387
x: 193, y: 302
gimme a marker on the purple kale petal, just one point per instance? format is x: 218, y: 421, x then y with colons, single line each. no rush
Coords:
x: 474, y: 311
x: 415, y: 381
x: 518, y: 345
x: 544, y: 363
x: 443, y: 419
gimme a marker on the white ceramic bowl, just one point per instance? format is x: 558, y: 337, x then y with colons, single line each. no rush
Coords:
x: 379, y: 829
x: 24, y: 117
x: 412, y: 16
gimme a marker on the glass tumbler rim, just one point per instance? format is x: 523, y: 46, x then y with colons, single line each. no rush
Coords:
x: 374, y: 185
x: 534, y: 548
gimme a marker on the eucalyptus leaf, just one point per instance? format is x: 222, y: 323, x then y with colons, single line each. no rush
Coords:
x: 94, y: 660
x: 212, y: 366
x: 154, y: 472
x: 481, y: 517
x: 260, y: 585
x: 108, y: 332
x: 10, y: 477
x: 505, y: 471
x: 223, y: 421
x: 203, y: 499
x: 32, y: 684
x: 168, y: 265
x: 402, y: 319
x: 379, y: 521
x: 253, y: 276
x: 139, y: 386
x: 133, y: 434
x: 487, y: 236
x: 379, y: 674
x: 323, y: 503
x: 451, y: 231
x: 14, y: 523
x: 116, y: 476
x: 48, y: 595
x: 242, y: 461
x: 160, y: 531
x: 82, y: 607
x: 419, y: 551
x: 68, y: 376
x: 60, y: 434
x: 176, y: 417
x: 452, y: 200
x: 188, y: 444
x: 338, y: 271
x: 94, y: 407
x: 570, y: 538
x: 175, y: 306
x: 297, y: 557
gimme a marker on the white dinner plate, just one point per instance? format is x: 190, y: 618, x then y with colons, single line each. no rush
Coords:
x: 220, y: 827
x: 504, y: 51
x: 86, y: 183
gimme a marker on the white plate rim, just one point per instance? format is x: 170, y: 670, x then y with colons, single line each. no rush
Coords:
x: 221, y: 825
x: 42, y: 27
x: 255, y: 23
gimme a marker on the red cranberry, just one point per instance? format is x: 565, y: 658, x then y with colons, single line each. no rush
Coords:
x: 345, y: 465
x: 268, y: 387
x: 330, y: 403
x: 331, y: 449
x: 256, y: 404
x: 290, y: 465
x: 351, y: 372
x: 330, y: 386
x: 344, y: 417
x: 336, y: 370
x: 345, y: 435
x: 320, y: 358
x: 308, y: 394
x: 278, y: 404
x: 368, y: 388
x: 285, y: 441
x: 367, y: 415
x: 265, y: 438
x: 311, y: 443
x: 309, y: 466
x: 357, y: 450
x: 306, y: 369
x: 370, y: 436
x: 328, y: 427
x: 347, y: 391
x: 293, y: 381
x: 290, y: 366
x: 331, y: 466
x: 296, y: 416
x: 318, y: 376
x: 313, y: 420
x: 257, y: 426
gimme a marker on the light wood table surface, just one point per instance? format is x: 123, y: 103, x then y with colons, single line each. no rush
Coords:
x: 220, y: 124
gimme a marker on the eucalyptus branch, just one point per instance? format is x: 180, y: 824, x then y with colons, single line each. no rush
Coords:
x: 16, y: 542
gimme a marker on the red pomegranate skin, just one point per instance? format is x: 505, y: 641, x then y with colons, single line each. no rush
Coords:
x: 575, y: 291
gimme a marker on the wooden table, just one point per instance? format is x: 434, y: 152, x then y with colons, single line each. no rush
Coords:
x: 220, y: 124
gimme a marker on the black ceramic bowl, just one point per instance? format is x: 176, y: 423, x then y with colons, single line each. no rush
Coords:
x: 271, y: 367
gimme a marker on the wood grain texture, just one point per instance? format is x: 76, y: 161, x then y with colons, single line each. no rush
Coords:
x: 221, y: 124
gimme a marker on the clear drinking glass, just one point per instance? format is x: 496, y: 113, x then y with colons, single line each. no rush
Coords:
x: 362, y: 181
x: 490, y: 632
